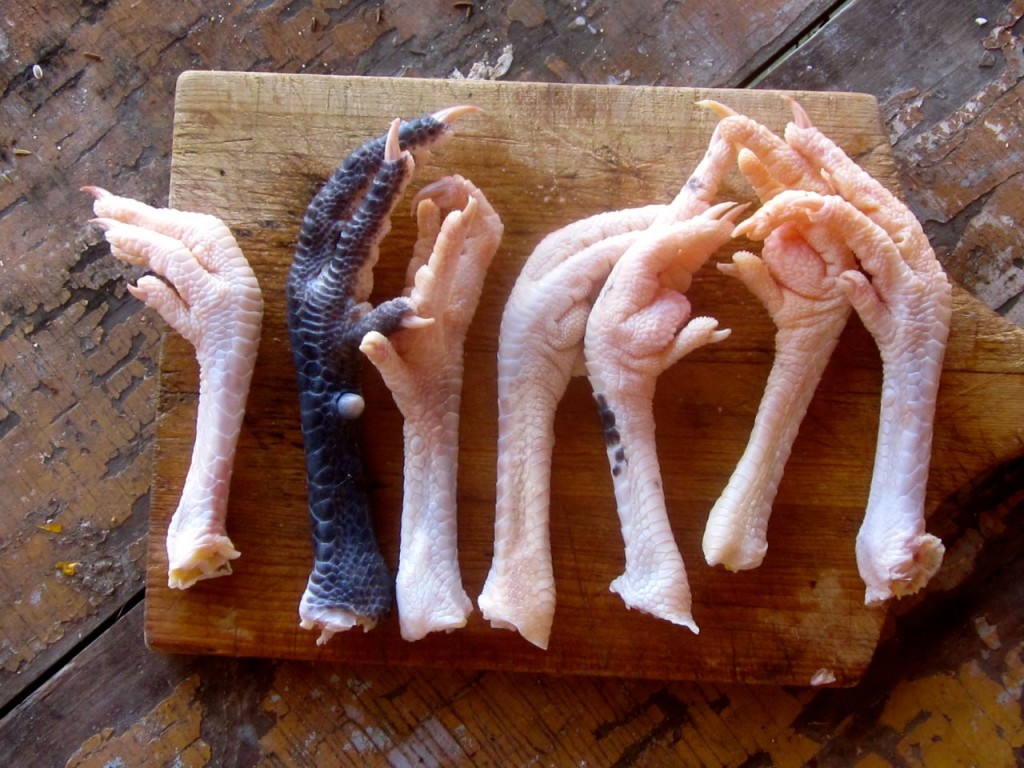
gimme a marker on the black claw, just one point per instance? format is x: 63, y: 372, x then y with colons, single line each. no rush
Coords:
x: 334, y: 204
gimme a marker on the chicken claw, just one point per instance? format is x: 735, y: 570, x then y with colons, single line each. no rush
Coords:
x: 423, y: 368
x: 905, y: 301
x: 637, y: 329
x: 204, y: 288
x: 795, y: 279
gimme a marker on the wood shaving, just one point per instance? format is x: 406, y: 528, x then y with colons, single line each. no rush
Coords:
x: 481, y: 70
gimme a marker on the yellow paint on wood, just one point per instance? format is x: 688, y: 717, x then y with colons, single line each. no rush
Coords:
x: 873, y: 761
x: 169, y: 734
x: 377, y: 716
x: 961, y: 720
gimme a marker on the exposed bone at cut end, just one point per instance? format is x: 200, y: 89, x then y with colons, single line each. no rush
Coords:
x: 204, y: 288
x: 894, y: 563
x: 194, y: 558
x: 330, y: 621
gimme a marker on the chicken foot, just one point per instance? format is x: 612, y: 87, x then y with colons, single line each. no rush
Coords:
x: 540, y: 343
x: 204, y: 288
x: 540, y: 348
x: 796, y: 280
x: 638, y: 328
x: 327, y: 291
x: 905, y: 302
x: 904, y: 299
x: 423, y: 368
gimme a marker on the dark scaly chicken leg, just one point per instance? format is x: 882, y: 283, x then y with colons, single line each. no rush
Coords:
x: 328, y: 315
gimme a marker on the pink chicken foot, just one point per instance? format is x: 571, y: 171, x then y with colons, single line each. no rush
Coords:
x: 904, y: 299
x: 423, y: 368
x: 796, y: 280
x: 540, y: 348
x: 639, y: 327
x: 204, y: 288
x: 906, y: 305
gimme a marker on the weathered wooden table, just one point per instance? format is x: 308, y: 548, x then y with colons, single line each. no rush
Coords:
x: 78, y: 358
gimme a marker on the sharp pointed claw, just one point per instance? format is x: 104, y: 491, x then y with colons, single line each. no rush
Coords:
x: 447, y: 192
x: 800, y: 117
x: 726, y: 211
x: 718, y: 211
x: 745, y: 227
x: 736, y: 211
x: 104, y: 223
x: 451, y: 114
x: 98, y: 192
x: 415, y: 321
x: 717, y: 107
x: 392, y: 151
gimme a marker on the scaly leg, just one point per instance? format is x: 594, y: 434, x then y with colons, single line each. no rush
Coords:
x: 204, y: 288
x: 540, y: 348
x: 328, y: 315
x: 423, y: 368
x: 906, y: 304
x: 637, y: 329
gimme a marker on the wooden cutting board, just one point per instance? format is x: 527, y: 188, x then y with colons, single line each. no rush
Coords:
x: 253, y: 149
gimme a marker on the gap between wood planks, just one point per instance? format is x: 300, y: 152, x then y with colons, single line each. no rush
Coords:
x: 48, y: 674
x: 802, y: 36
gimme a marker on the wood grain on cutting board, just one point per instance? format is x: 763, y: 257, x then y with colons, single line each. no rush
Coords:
x: 253, y: 149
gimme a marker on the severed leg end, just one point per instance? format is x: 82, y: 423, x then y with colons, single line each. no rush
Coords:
x: 330, y: 620
x: 886, y: 576
x: 191, y: 560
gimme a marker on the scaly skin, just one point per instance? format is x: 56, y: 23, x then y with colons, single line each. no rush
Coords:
x: 540, y: 343
x: 205, y: 289
x: 905, y: 301
x: 540, y: 348
x: 639, y: 327
x: 423, y: 368
x: 796, y: 282
x: 328, y: 315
